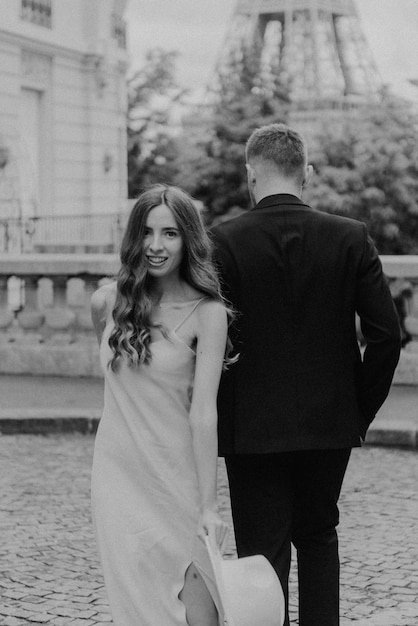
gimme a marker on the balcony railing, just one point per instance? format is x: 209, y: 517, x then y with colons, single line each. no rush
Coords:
x: 100, y: 233
x: 46, y: 328
x: 119, y: 30
x: 37, y: 11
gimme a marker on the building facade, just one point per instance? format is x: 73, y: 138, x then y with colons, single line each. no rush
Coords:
x: 62, y: 108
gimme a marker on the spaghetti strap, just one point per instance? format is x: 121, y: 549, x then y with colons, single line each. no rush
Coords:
x: 188, y: 314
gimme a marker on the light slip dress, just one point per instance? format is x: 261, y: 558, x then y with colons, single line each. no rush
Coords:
x: 145, y: 500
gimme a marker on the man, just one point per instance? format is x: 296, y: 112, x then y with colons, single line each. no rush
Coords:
x: 300, y: 396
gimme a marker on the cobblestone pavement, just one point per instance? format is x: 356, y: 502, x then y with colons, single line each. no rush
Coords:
x: 49, y: 570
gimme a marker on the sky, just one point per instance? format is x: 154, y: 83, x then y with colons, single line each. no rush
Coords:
x: 197, y: 30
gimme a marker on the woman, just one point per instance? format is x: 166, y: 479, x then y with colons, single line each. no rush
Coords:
x: 162, y: 329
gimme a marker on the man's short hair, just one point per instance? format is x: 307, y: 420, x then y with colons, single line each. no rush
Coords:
x: 280, y: 145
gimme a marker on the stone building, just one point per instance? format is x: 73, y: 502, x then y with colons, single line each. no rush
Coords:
x: 62, y: 109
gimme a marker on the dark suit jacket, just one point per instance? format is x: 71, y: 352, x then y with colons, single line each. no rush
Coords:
x: 297, y: 276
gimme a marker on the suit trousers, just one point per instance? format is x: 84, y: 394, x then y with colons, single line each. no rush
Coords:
x: 291, y: 498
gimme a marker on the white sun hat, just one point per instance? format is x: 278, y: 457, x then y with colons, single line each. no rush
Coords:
x: 249, y: 590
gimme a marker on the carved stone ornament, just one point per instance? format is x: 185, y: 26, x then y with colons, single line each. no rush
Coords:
x: 4, y: 156
x: 35, y: 67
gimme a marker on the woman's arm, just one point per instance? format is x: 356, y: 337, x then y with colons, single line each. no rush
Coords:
x: 210, y: 352
x: 100, y: 307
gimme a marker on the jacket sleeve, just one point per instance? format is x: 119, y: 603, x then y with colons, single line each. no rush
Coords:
x: 226, y: 266
x: 381, y: 330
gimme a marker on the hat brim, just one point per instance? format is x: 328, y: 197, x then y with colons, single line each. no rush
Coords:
x: 248, y: 588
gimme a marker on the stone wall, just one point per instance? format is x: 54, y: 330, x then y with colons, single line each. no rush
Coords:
x: 402, y: 272
x: 46, y: 328
x: 45, y: 322
x: 62, y: 111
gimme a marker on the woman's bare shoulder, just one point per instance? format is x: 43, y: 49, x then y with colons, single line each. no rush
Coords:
x: 212, y: 311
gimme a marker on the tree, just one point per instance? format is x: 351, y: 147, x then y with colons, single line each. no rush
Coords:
x: 213, y: 169
x: 368, y: 170
x: 152, y: 95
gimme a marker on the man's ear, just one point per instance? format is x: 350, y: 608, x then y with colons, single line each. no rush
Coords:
x: 251, y: 177
x: 308, y: 176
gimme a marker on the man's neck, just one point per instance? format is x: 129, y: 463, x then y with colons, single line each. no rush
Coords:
x: 272, y: 190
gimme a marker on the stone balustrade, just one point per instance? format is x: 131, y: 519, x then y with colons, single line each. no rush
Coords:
x: 45, y: 322
x: 46, y: 328
x: 402, y: 273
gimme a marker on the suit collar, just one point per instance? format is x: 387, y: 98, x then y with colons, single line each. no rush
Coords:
x: 280, y: 200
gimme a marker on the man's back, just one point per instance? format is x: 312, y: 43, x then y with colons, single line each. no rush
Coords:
x: 296, y: 276
x: 300, y: 396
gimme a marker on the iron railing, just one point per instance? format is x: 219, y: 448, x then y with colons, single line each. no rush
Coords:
x: 118, y: 30
x: 62, y: 233
x: 37, y: 11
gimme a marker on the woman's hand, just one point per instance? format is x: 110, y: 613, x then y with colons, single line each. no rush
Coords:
x: 212, y: 525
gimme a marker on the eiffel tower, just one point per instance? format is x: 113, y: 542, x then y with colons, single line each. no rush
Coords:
x: 314, y: 47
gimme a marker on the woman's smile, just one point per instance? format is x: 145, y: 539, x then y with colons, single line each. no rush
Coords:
x: 156, y: 260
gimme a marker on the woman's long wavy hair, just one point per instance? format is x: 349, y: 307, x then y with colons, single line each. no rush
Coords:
x: 131, y: 336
